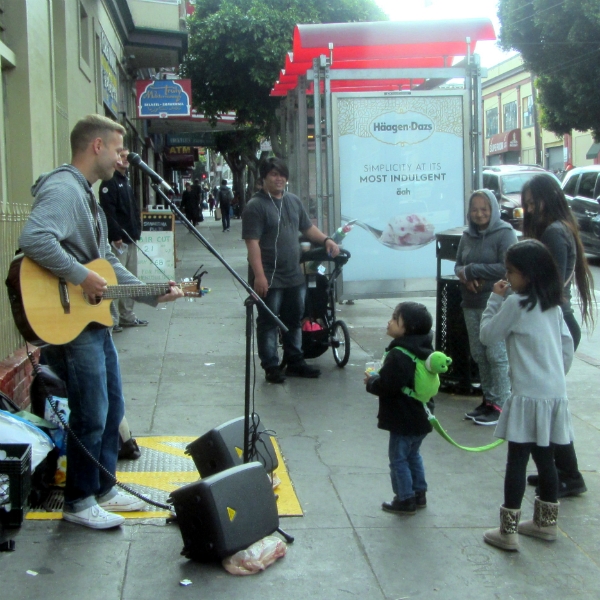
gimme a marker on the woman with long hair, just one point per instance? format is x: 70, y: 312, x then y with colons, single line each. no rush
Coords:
x: 549, y: 219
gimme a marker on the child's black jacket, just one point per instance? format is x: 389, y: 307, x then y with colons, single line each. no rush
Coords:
x: 398, y: 412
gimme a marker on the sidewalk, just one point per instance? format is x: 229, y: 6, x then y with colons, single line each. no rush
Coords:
x: 184, y: 374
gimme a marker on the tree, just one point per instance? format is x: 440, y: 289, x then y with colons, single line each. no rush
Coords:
x: 236, y: 49
x: 560, y: 44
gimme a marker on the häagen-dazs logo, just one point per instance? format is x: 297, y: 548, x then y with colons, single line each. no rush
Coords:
x: 407, y: 128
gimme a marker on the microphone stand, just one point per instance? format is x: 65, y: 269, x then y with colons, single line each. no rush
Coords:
x: 249, y: 303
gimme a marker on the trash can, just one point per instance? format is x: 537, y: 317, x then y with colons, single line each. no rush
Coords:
x: 451, y: 336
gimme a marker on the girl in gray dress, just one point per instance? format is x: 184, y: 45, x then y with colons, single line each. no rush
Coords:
x: 540, y: 353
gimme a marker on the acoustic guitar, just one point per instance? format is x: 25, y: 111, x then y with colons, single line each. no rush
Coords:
x: 49, y: 310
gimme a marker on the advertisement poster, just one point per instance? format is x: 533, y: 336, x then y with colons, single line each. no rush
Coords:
x: 110, y: 81
x: 401, y: 180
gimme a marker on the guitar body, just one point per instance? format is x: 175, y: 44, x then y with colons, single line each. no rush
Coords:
x: 48, y: 310
x: 44, y: 320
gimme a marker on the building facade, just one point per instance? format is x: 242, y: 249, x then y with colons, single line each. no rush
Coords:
x: 511, y: 127
x: 62, y: 60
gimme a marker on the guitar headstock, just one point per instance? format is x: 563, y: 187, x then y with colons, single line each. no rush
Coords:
x: 190, y: 288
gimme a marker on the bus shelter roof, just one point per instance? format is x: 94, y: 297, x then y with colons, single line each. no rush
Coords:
x: 381, y: 45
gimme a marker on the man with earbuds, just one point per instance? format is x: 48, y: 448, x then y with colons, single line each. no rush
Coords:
x: 271, y: 223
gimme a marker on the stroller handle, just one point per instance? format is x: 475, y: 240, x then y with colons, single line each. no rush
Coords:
x: 321, y: 255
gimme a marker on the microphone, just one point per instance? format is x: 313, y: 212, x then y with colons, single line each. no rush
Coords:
x: 135, y: 160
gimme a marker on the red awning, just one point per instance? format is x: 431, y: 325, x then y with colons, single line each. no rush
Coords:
x: 380, y: 45
x: 507, y: 141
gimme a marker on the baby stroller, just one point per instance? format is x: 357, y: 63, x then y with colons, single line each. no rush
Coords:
x: 321, y: 330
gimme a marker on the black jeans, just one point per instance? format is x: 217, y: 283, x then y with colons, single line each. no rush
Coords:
x: 225, y: 216
x: 564, y: 456
x: 516, y: 473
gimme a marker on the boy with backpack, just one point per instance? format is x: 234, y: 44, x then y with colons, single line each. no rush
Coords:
x: 400, y: 412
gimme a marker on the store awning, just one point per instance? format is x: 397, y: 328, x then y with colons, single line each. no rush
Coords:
x: 593, y: 151
x: 507, y: 141
x: 381, y: 45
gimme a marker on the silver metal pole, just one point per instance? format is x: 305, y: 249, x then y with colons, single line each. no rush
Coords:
x: 303, y: 187
x: 329, y: 149
x: 318, y: 141
x: 479, y: 122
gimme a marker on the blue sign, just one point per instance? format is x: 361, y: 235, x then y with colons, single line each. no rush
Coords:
x: 164, y: 98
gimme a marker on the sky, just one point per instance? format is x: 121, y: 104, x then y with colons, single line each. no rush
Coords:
x: 417, y: 10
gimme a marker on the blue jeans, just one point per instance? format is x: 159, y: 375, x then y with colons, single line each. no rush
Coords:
x: 288, y: 305
x: 89, y: 366
x: 406, y: 465
x: 492, y: 361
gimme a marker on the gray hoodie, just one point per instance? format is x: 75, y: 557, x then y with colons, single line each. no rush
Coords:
x: 67, y: 229
x: 481, y: 253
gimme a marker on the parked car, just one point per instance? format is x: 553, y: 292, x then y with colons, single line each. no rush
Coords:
x: 582, y: 190
x: 506, y: 181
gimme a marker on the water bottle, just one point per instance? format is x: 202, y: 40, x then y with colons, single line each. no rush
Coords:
x: 339, y: 234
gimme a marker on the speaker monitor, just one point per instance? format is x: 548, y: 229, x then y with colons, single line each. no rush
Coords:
x: 226, y: 512
x: 223, y: 447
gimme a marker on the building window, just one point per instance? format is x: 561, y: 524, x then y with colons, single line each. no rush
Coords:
x: 491, y: 122
x: 84, y: 35
x: 528, y: 112
x: 510, y: 116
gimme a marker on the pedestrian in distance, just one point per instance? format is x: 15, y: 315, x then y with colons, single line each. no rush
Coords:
x: 536, y: 417
x: 67, y: 229
x: 271, y: 224
x: 225, y: 198
x: 479, y: 264
x: 187, y: 204
x: 404, y: 417
x: 549, y: 219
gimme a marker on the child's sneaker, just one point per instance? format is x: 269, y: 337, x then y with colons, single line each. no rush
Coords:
x: 401, y: 507
x: 421, y: 499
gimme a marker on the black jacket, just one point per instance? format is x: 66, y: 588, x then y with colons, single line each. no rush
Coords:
x: 121, y: 209
x: 398, y: 412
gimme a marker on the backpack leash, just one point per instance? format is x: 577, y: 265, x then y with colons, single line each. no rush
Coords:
x: 429, y: 379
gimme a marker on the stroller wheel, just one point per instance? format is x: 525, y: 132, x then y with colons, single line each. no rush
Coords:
x: 340, y: 343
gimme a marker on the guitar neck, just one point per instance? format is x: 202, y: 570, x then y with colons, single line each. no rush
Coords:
x: 133, y: 291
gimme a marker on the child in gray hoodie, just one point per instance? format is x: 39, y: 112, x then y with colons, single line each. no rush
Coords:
x: 479, y: 264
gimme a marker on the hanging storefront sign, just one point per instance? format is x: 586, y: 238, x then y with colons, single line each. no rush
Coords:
x: 164, y: 98
x: 403, y: 163
x: 198, y: 138
x: 110, y: 80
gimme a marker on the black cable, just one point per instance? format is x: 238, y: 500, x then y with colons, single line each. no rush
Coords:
x: 80, y: 444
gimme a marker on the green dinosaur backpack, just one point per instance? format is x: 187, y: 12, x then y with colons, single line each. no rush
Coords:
x: 427, y: 379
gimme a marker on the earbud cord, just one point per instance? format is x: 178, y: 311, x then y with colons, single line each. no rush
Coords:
x: 277, y: 236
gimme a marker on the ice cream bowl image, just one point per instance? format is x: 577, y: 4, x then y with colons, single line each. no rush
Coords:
x: 403, y: 232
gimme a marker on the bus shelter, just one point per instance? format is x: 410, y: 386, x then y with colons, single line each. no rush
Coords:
x: 383, y: 126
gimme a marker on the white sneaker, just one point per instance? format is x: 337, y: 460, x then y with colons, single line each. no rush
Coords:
x: 122, y: 502
x: 94, y: 517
